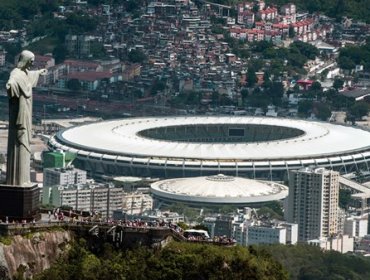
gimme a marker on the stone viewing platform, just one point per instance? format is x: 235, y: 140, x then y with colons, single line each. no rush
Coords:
x: 120, y: 234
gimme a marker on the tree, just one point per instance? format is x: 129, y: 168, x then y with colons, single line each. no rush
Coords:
x: 158, y: 85
x: 178, y: 207
x: 225, y: 100
x: 324, y: 74
x: 304, y: 107
x: 215, y: 97
x: 316, y: 86
x: 296, y: 59
x: 97, y: 50
x: 244, y: 93
x: 272, y: 209
x: 59, y: 53
x: 12, y: 50
x: 183, y: 225
x: 251, y: 78
x: 346, y: 63
x: 81, y: 23
x: 268, y: 212
x: 276, y: 92
x: 132, y: 5
x: 270, y: 53
x: 305, y: 49
x: 260, y: 46
x: 291, y: 32
x: 136, y: 56
x: 193, y: 98
x: 323, y: 111
x: 338, y: 83
x: 359, y: 109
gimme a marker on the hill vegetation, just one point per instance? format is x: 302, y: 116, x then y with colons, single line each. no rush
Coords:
x: 309, y: 262
x: 197, y: 261
x: 176, y: 261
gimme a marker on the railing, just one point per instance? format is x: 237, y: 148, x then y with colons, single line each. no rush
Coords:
x: 88, y: 227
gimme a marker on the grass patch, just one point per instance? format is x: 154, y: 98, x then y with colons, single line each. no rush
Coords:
x: 6, y: 240
x: 29, y: 235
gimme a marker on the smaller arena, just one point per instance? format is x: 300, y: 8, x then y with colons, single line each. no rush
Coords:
x: 218, y: 190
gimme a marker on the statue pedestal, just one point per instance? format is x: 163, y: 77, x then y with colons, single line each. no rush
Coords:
x: 19, y: 203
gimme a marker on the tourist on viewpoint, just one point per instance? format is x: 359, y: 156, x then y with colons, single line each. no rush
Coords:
x: 19, y: 88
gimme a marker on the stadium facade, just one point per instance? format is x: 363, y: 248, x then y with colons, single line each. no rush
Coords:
x: 252, y: 147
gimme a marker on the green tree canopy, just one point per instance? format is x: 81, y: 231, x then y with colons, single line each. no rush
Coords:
x: 136, y: 56
x: 251, y: 78
x: 74, y: 85
x: 186, y: 261
x: 316, y: 86
x: 338, y: 83
x: 323, y: 111
x: 305, y: 107
x: 306, y: 49
x: 359, y: 109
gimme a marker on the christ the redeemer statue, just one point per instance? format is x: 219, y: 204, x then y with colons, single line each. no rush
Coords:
x: 19, y: 88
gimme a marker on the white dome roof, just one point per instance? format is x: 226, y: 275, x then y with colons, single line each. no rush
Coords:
x: 219, y: 189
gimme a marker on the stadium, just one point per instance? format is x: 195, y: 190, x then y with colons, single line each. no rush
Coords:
x: 251, y: 147
x: 218, y: 190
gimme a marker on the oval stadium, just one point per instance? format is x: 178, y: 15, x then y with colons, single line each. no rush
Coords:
x: 252, y: 147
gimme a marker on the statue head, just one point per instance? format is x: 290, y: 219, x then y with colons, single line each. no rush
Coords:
x: 26, y: 59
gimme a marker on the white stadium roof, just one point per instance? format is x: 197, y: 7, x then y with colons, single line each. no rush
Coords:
x: 121, y: 138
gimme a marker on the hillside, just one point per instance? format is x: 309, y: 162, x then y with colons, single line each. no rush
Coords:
x: 357, y: 9
x: 196, y: 261
x: 175, y: 261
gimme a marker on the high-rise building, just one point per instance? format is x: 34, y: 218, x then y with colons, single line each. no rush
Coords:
x: 313, y: 202
x: 61, y: 177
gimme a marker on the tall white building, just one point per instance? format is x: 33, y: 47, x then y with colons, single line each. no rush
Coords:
x: 137, y: 203
x: 340, y: 243
x: 266, y: 235
x: 240, y: 232
x: 313, y: 202
x: 61, y: 177
x: 275, y: 233
x: 356, y: 226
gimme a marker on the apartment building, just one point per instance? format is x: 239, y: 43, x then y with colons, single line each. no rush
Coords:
x: 313, y: 202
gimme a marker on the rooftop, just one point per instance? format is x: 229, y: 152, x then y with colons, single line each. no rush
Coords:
x: 219, y: 189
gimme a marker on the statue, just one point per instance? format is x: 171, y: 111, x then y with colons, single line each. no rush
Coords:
x: 19, y: 88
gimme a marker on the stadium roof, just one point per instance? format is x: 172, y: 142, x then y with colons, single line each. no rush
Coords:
x: 121, y: 138
x: 219, y: 189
